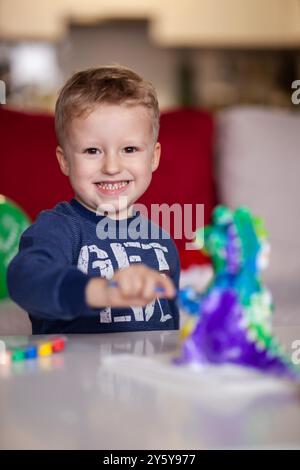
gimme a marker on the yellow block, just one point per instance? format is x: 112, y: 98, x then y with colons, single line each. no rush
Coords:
x: 45, y: 349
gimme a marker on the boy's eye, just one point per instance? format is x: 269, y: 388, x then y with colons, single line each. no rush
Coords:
x: 130, y: 149
x: 92, y: 151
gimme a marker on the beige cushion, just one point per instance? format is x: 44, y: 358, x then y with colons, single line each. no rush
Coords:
x: 258, y: 164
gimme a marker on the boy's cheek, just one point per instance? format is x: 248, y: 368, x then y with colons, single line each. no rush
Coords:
x: 81, y: 173
x: 147, y: 178
x: 78, y: 182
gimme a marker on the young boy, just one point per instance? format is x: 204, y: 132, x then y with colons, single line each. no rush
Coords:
x: 107, y: 122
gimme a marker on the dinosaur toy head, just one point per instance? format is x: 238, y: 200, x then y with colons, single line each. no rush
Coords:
x: 235, y: 240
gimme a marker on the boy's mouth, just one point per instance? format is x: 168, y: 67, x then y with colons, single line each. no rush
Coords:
x: 112, y: 187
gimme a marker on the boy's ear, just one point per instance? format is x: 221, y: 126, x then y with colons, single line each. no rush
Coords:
x: 62, y: 160
x: 156, y: 156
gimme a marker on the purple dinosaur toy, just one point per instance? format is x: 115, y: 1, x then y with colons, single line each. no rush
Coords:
x: 233, y: 321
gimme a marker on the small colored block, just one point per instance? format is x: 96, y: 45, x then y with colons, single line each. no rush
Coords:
x: 58, y: 344
x: 8, y: 358
x: 5, y: 358
x: 30, y: 351
x: 45, y: 349
x: 17, y: 355
x: 2, y: 352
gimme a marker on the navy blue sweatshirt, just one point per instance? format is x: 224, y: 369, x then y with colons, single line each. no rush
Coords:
x: 66, y: 247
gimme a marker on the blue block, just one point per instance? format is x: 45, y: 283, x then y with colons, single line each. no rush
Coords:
x: 31, y: 351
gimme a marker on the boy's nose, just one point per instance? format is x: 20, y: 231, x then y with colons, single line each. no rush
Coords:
x: 111, y: 164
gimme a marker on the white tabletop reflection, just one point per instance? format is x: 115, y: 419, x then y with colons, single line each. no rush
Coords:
x: 120, y: 391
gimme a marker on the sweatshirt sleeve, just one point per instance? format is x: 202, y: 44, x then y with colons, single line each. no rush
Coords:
x: 42, y: 278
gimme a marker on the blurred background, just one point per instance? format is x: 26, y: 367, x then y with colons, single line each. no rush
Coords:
x: 223, y: 70
x: 207, y: 53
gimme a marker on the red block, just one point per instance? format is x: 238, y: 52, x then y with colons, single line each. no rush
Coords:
x: 58, y: 344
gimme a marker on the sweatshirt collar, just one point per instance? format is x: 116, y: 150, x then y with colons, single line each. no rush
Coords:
x: 92, y: 216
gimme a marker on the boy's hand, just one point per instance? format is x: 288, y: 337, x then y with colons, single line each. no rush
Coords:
x: 136, y: 286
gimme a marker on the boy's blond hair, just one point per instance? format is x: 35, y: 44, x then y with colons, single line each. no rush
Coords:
x: 113, y: 84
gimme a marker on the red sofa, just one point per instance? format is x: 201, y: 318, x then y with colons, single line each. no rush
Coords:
x: 30, y: 175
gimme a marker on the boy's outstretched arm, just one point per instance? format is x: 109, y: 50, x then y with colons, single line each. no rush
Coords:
x: 41, y: 277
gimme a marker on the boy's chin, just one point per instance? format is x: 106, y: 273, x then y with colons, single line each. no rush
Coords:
x: 116, y: 209
x: 115, y: 212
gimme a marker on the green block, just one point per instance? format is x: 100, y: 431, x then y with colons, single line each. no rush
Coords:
x: 18, y: 355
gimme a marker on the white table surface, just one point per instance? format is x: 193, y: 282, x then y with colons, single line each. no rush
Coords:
x: 90, y: 397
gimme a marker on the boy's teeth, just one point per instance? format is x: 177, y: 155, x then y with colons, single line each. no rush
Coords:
x: 111, y: 186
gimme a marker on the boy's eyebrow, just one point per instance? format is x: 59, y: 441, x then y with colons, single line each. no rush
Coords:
x: 134, y: 142
x: 128, y: 142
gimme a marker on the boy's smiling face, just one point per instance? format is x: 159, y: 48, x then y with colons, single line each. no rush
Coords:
x: 109, y: 156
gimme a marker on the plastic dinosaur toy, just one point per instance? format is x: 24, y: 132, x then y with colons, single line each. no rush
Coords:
x: 232, y: 320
